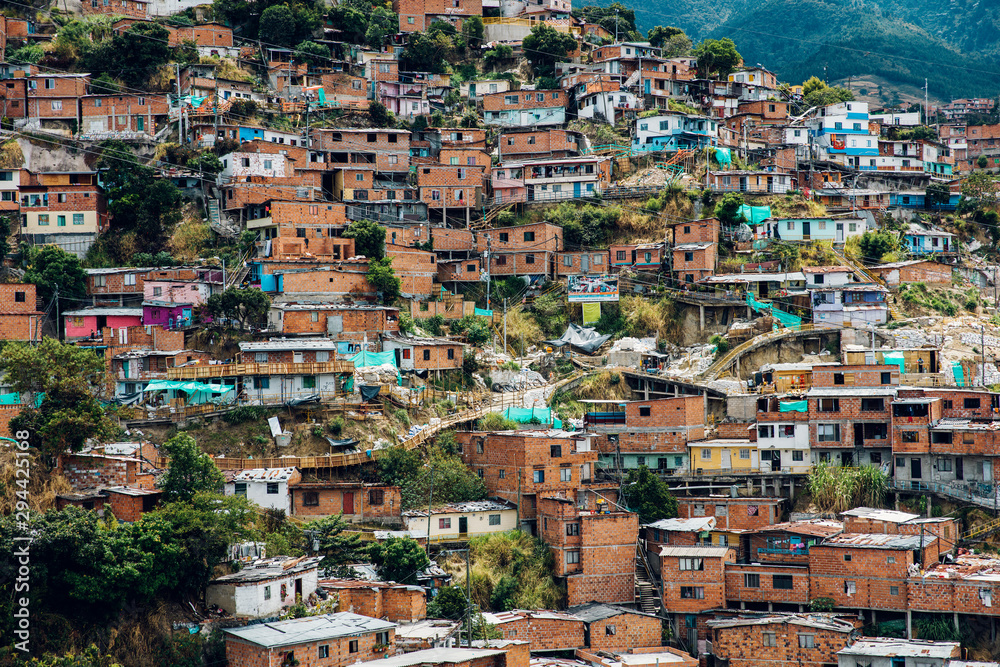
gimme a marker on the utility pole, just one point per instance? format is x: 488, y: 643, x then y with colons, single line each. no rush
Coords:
x: 505, y: 324
x: 616, y: 26
x: 468, y: 598
x: 926, y: 110
x: 430, y: 500
x: 982, y: 350
x: 519, y: 498
x: 58, y: 318
x: 180, y: 117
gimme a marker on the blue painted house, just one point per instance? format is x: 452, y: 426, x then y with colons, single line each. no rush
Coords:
x: 922, y: 240
x: 815, y: 229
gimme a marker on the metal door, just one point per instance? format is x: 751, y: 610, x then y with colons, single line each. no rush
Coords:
x: 585, y: 263
x: 576, y: 189
x: 727, y: 459
x: 915, y: 471
x: 463, y: 525
x: 348, y: 502
x: 840, y: 232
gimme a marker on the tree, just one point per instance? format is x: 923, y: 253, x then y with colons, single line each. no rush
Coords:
x: 616, y: 18
x: 494, y: 57
x: 336, y: 547
x: 648, y: 495
x: 399, y: 559
x: 472, y: 30
x: 875, y: 244
x: 247, y: 306
x: 812, y: 84
x: 383, y: 278
x: 378, y: 115
x: 454, y: 482
x: 7, y: 223
x: 398, y: 465
x: 132, y: 55
x: 982, y: 162
x: 277, y: 25
x: 660, y: 34
x: 502, y: 597
x: 828, y: 95
x: 426, y: 52
x: 451, y: 602
x: 546, y: 46
x: 312, y: 53
x: 678, y: 45
x: 727, y: 210
x: 980, y: 189
x: 190, y: 470
x: 382, y: 23
x: 369, y: 238
x: 717, y: 55
x: 51, y: 268
x: 475, y: 328
x: 936, y: 195
x: 351, y: 21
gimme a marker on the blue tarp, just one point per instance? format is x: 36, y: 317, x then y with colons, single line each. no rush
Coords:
x: 525, y: 415
x: 197, y: 393
x: 482, y: 312
x: 723, y: 157
x: 365, y: 358
x: 956, y: 370
x: 793, y: 406
x: 895, y: 360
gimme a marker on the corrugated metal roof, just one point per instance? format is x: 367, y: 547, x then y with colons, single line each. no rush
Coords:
x: 288, y: 344
x: 892, y: 516
x: 464, y: 508
x: 811, y: 527
x: 877, y: 541
x: 434, y: 656
x: 694, y: 524
x: 820, y: 392
x: 884, y: 647
x: 312, y: 629
x: 597, y: 611
x: 703, y: 551
x: 819, y: 621
x: 264, y: 475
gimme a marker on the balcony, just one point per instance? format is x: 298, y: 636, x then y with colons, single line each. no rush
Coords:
x: 603, y: 418
x: 804, y: 551
x: 237, y: 370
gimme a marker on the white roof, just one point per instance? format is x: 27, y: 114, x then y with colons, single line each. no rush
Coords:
x: 693, y: 525
x: 702, y: 551
x: 434, y: 656
x: 311, y: 629
x: 881, y: 646
x: 264, y: 475
x: 289, y: 344
x: 890, y: 516
x: 107, y: 312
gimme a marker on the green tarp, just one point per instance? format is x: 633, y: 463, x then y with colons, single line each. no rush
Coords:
x: 793, y: 406
x: 10, y: 399
x: 197, y: 392
x: 723, y: 157
x: 956, y: 370
x: 364, y: 358
x: 895, y: 360
x: 786, y: 319
x: 525, y: 415
x: 482, y: 312
x: 755, y: 215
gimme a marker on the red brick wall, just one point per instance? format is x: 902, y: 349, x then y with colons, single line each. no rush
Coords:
x: 403, y: 605
x: 738, y: 591
x: 626, y: 631
x: 697, y: 231
x: 743, y: 646
x: 546, y: 634
x: 870, y: 570
x: 356, y: 322
x: 245, y: 654
x: 712, y: 580
x: 526, y: 99
x: 738, y: 516
x: 331, y: 501
x: 539, y: 143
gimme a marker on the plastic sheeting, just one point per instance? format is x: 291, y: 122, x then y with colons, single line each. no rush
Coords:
x: 793, y: 406
x: 895, y: 360
x: 956, y: 370
x: 584, y: 338
x: 368, y: 392
x: 198, y: 393
x: 365, y: 358
x: 723, y: 156
x: 755, y: 215
x: 10, y: 399
x: 482, y: 312
x: 525, y: 415
x: 591, y: 313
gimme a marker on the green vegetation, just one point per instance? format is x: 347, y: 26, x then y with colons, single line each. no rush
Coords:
x: 71, y: 382
x: 546, y: 46
x: 818, y: 94
x: 398, y: 559
x: 51, y: 269
x: 336, y: 548
x: 672, y: 40
x: 717, y: 56
x: 453, y: 482
x: 836, y: 489
x: 384, y: 279
x: 369, y: 238
x: 509, y: 570
x: 190, y: 471
x: 919, y: 295
x: 494, y: 421
x: 246, y: 306
x: 475, y: 328
x: 648, y: 495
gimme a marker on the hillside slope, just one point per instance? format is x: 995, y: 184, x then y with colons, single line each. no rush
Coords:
x: 954, y: 44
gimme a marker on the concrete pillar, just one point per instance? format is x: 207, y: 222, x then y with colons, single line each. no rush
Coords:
x: 955, y: 618
x: 791, y: 489
x: 743, y: 605
x: 701, y: 315
x: 763, y: 487
x: 909, y: 624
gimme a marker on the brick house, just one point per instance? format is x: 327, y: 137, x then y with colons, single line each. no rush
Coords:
x: 651, y: 433
x: 732, y: 513
x: 638, y: 657
x: 900, y: 653
x: 608, y: 627
x: 525, y: 108
x: 416, y: 269
x: 133, y: 370
x: 138, y: 9
x: 90, y: 469
x: 418, y: 15
x: 331, y: 640
x: 265, y: 587
x: 693, y: 262
x: 129, y: 503
x: 20, y: 318
x: 809, y: 640
x: 52, y: 101
x: 580, y: 263
x: 394, y: 602
x: 86, y: 322
x: 890, y: 522
x: 649, y: 256
x: 693, y: 578
x: 424, y: 354
x: 546, y: 630
x: 550, y: 179
x: 341, y: 321
x: 850, y: 424
x: 85, y: 500
x: 524, y: 466
x: 264, y: 487
x: 135, y: 116
x: 357, y: 501
x: 594, y: 548
x: 496, y: 654
x: 64, y: 208
x: 677, y: 532
x: 124, y: 285
x: 527, y: 144
x: 450, y: 192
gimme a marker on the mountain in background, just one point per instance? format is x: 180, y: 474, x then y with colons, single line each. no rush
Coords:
x: 955, y: 44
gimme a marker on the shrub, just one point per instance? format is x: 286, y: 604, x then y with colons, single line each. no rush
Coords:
x: 245, y: 413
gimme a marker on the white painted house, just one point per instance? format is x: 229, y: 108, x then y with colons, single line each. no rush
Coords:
x: 463, y: 521
x: 265, y: 587
x: 265, y: 487
x: 784, y: 446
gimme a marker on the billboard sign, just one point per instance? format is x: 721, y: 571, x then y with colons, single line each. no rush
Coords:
x: 592, y: 289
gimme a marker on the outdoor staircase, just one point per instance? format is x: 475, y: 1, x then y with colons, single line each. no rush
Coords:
x: 864, y: 275
x: 647, y: 595
x: 491, y: 216
x: 981, y: 532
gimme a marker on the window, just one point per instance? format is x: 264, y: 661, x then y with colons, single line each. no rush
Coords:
x: 376, y: 497
x: 43, y: 218
x: 504, y: 237
x: 57, y: 105
x: 323, y: 651
x: 694, y: 564
x: 620, y: 256
x: 267, y: 592
x: 157, y: 291
x: 890, y: 560
x: 828, y: 432
x: 427, y: 355
x: 308, y: 381
x: 765, y: 431
x: 129, y: 277
x: 944, y: 465
x: 847, y: 558
x: 610, y: 629
x: 272, y: 488
x: 565, y: 475
x: 850, y: 588
x: 310, y: 498
x: 797, y: 455
x: 782, y: 582
x: 451, y: 353
x: 529, y: 259
x: 688, y: 256
x: 745, y: 454
x: 706, y: 455
x: 807, y: 641
x: 529, y: 236
x: 873, y: 404
x: 828, y: 405
x: 893, y: 590
x: 538, y: 476
x: 970, y: 403
x: 644, y: 411
x: 751, y: 581
x: 886, y: 378
x: 444, y: 523
x: 352, y: 647
x: 261, y: 382
x: 572, y: 557
x: 769, y: 639
x: 406, y: 353
x: 946, y: 405
x: 910, y: 436
x: 19, y: 297
x: 495, y: 518
x: 692, y: 592
x: 240, y: 489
